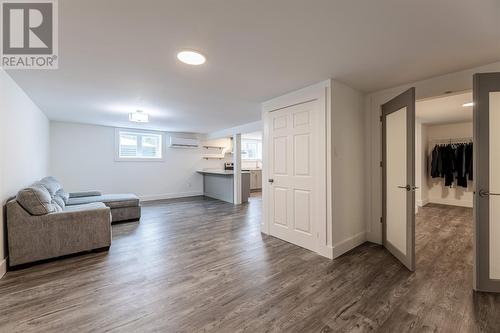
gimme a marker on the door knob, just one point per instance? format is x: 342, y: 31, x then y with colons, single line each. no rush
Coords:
x: 484, y: 193
x: 271, y: 180
x: 408, y: 188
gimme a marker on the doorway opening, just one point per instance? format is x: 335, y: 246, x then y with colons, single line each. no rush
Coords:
x: 251, y: 162
x: 444, y: 179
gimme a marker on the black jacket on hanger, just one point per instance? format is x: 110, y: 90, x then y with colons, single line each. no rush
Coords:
x: 452, y: 161
x: 469, y: 160
x: 460, y: 165
x: 434, y: 163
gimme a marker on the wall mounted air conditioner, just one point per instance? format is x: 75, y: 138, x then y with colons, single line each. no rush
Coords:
x: 183, y: 143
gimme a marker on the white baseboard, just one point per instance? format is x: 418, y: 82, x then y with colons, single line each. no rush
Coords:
x: 326, y: 251
x: 422, y: 203
x: 348, y: 244
x: 3, y: 267
x: 451, y: 202
x: 169, y: 196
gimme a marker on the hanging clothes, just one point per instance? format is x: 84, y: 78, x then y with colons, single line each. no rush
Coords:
x: 434, y: 163
x: 469, y: 160
x: 460, y: 166
x: 448, y: 165
x: 452, y: 162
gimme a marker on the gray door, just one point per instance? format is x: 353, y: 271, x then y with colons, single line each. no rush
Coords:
x: 487, y: 182
x: 398, y: 161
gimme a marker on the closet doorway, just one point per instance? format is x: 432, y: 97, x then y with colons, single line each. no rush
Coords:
x: 445, y: 182
x: 452, y: 187
x: 444, y: 151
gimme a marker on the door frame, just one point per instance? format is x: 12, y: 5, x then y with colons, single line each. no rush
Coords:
x: 320, y: 92
x: 395, y: 105
x: 484, y: 83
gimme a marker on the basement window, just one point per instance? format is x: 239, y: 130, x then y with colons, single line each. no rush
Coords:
x: 133, y: 145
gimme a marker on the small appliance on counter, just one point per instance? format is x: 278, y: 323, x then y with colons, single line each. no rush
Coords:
x: 228, y: 166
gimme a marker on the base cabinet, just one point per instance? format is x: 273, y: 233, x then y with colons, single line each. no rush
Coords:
x: 255, y: 179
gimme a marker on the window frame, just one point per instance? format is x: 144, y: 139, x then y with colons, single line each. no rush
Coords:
x: 257, y: 142
x: 119, y: 131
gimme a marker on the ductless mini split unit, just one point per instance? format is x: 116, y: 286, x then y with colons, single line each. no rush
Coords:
x: 183, y: 143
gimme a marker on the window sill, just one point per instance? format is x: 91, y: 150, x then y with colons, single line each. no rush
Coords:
x: 139, y: 159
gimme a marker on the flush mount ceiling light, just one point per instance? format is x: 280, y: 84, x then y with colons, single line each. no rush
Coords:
x: 468, y: 104
x: 191, y: 57
x: 138, y: 117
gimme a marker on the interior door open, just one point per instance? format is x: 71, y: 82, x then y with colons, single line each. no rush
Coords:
x: 398, y: 177
x: 487, y: 182
x: 295, y: 164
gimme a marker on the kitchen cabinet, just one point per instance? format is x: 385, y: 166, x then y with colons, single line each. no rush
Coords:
x: 255, y: 179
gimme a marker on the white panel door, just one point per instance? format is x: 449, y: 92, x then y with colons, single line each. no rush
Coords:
x: 487, y: 182
x: 398, y: 119
x: 293, y: 178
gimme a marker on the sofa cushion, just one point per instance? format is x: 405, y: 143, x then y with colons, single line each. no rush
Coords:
x: 83, y: 207
x: 36, y: 199
x: 111, y: 200
x: 63, y: 195
x: 120, y: 200
x: 84, y: 194
x: 51, y: 184
x: 58, y: 201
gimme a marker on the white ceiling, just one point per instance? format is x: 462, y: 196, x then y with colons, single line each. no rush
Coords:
x: 447, y: 109
x: 120, y: 55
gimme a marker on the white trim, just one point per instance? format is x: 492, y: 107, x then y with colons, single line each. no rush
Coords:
x: 326, y: 251
x: 237, y: 186
x: 452, y: 202
x: 153, y: 197
x: 321, y: 93
x: 348, y: 244
x: 422, y: 203
x: 3, y: 267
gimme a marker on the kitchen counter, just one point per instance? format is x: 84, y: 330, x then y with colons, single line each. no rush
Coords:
x: 219, y: 184
x: 219, y: 172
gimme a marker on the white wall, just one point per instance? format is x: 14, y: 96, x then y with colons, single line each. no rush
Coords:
x: 437, y: 192
x: 459, y: 81
x: 83, y: 158
x: 348, y: 168
x: 24, y: 146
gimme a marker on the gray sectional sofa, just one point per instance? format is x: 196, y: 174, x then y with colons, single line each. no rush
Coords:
x: 44, y: 221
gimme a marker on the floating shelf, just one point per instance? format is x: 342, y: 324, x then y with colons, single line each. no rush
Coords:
x: 213, y: 157
x: 213, y: 147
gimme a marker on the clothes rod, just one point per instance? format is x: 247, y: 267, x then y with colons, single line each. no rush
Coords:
x: 451, y: 141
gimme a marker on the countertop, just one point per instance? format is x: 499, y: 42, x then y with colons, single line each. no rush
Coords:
x: 219, y: 172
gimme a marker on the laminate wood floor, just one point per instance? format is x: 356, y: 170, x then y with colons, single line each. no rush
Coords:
x: 201, y: 265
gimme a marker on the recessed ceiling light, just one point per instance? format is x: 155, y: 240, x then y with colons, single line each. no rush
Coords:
x: 191, y: 57
x: 468, y: 104
x: 138, y: 117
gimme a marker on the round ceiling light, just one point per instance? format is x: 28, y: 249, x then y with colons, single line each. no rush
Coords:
x: 191, y: 57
